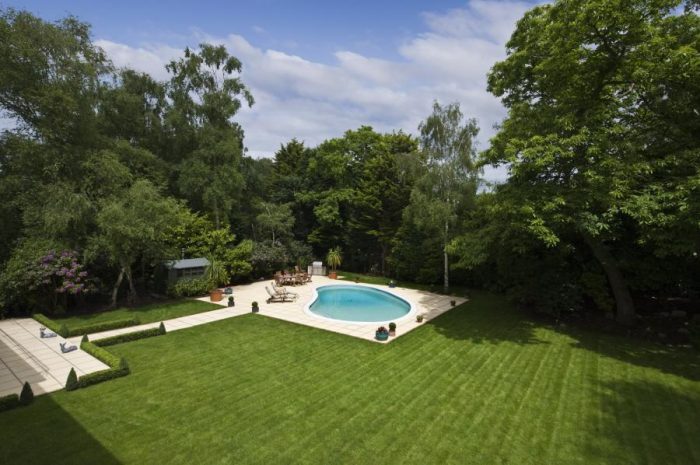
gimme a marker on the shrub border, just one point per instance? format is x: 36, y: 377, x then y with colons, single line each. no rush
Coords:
x: 9, y: 402
x: 118, y: 366
x: 65, y: 331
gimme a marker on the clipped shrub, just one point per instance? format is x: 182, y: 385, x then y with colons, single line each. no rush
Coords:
x: 72, y: 381
x: 100, y: 354
x: 101, y: 376
x: 9, y: 402
x: 63, y: 330
x: 120, y: 338
x: 104, y: 326
x: 26, y: 397
x: 161, y: 328
x: 47, y: 322
x: 190, y: 287
x: 84, y: 339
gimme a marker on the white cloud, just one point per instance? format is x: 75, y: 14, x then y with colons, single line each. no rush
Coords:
x: 313, y: 101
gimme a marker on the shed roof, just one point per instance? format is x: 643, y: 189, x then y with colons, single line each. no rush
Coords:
x: 187, y: 263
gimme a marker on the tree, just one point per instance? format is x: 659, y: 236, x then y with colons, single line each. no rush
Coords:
x: 132, y: 227
x: 334, y: 258
x: 450, y: 179
x: 277, y: 220
x: 602, y: 139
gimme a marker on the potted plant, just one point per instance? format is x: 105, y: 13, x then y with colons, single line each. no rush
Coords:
x: 334, y: 259
x: 382, y: 334
x: 392, y: 329
x: 453, y: 302
x: 255, y: 308
x: 392, y: 284
x: 419, y: 318
x: 231, y: 302
x: 216, y: 275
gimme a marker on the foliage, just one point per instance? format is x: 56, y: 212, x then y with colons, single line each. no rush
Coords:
x: 334, y: 257
x: 99, y: 327
x: 9, y: 402
x: 126, y: 337
x: 48, y: 323
x: 600, y: 140
x: 193, y: 287
x: 72, y: 380
x: 26, y: 397
x: 268, y: 258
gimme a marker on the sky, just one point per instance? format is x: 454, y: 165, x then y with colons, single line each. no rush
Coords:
x: 319, y: 68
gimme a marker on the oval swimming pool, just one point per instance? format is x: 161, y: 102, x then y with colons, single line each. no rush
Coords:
x: 358, y: 304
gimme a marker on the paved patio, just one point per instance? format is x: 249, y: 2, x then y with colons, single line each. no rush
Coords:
x: 422, y: 302
x: 24, y: 356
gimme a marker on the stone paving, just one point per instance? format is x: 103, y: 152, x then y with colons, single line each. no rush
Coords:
x: 25, y: 356
x: 422, y: 302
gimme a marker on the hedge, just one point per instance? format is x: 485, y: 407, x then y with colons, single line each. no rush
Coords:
x: 100, y: 354
x: 66, y: 331
x: 117, y: 367
x: 118, y: 339
x: 48, y: 322
x: 106, y: 326
x: 9, y: 402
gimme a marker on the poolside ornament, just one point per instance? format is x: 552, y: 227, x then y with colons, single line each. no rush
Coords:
x: 231, y: 302
x: 392, y: 284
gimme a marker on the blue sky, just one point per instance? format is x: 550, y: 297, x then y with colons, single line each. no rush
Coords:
x: 318, y: 68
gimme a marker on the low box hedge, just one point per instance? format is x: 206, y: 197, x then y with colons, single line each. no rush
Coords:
x: 103, y: 375
x: 117, y: 368
x: 67, y: 331
x: 118, y: 339
x: 9, y: 402
x: 48, y: 322
x: 105, y: 326
x: 100, y: 354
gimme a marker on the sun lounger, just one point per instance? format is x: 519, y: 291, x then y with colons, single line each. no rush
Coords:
x: 67, y: 347
x: 282, y: 291
x: 277, y: 297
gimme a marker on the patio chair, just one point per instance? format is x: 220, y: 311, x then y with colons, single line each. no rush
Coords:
x: 277, y: 297
x: 67, y: 347
x: 44, y: 333
x: 279, y: 290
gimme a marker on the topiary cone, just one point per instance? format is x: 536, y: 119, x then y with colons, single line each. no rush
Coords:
x: 26, y: 397
x: 72, y: 381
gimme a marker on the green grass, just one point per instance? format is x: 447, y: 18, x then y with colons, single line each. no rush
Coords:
x: 479, y: 385
x: 371, y: 279
x: 145, y: 313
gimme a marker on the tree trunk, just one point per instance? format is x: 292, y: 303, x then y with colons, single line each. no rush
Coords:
x: 384, y: 247
x: 446, y: 284
x: 623, y: 298
x: 115, y: 290
x: 131, y: 299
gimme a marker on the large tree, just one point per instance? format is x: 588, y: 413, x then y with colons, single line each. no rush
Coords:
x: 450, y: 177
x: 602, y: 136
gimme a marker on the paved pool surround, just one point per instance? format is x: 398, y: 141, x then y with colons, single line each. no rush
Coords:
x: 426, y: 303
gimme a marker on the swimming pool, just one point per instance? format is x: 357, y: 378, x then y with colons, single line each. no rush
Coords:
x: 358, y: 304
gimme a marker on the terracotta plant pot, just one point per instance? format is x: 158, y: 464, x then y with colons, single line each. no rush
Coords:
x: 333, y: 275
x: 216, y: 295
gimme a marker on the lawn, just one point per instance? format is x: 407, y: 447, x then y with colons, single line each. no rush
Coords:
x: 478, y: 385
x: 372, y: 279
x: 145, y: 313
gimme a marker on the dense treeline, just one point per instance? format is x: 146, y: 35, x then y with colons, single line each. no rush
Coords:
x: 109, y: 172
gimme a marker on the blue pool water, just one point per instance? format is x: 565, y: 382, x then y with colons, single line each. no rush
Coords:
x: 358, y: 303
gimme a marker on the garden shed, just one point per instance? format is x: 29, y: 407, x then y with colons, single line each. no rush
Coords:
x: 187, y: 268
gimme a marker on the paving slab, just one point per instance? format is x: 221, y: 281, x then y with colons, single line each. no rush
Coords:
x: 25, y: 356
